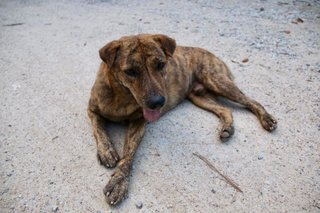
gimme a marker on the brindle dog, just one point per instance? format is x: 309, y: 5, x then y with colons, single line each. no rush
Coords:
x: 142, y: 77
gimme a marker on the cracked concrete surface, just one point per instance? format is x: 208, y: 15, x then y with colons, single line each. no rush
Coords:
x: 48, y: 62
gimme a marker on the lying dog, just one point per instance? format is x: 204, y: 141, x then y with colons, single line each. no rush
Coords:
x: 142, y: 77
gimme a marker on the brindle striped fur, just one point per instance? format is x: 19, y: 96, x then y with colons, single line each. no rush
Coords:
x: 189, y: 72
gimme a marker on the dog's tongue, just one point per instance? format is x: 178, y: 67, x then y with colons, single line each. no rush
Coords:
x: 151, y: 115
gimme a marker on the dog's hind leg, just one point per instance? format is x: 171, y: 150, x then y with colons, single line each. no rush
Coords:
x: 222, y: 85
x: 206, y: 101
x: 106, y: 153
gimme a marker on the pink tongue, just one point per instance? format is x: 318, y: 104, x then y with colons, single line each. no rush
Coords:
x: 151, y: 115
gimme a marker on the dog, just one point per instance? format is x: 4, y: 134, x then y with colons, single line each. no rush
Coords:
x: 143, y: 76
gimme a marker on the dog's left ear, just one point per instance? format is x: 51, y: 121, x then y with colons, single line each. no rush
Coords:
x: 168, y: 45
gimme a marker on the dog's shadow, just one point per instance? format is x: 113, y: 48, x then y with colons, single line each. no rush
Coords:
x: 117, y: 131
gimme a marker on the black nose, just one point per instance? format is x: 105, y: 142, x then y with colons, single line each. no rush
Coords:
x: 156, y: 101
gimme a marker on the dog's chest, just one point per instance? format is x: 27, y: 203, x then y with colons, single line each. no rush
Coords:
x: 119, y: 110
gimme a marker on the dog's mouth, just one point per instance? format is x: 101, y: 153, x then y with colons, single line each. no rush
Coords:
x: 151, y: 115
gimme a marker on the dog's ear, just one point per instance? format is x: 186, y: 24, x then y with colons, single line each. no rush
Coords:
x: 168, y: 45
x: 108, y: 52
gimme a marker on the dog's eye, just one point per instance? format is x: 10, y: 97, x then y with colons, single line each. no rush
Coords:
x: 160, y: 65
x: 132, y: 73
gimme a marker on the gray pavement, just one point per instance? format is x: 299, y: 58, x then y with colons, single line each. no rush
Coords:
x: 48, y: 62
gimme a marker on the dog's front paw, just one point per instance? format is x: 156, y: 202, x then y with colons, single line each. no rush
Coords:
x: 117, y: 188
x: 226, y: 133
x: 268, y: 122
x: 107, y: 156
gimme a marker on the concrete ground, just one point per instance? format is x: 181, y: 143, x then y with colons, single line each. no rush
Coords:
x: 48, y: 61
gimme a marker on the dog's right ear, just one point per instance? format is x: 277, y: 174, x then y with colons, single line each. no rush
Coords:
x: 108, y: 52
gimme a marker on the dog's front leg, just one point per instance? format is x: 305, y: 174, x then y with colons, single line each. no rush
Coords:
x: 107, y: 154
x: 117, y: 187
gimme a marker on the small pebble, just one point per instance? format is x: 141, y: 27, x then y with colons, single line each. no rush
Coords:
x: 245, y: 60
x: 55, y: 208
x: 300, y: 20
x: 9, y: 175
x: 213, y: 191
x: 139, y: 205
x: 4, y: 191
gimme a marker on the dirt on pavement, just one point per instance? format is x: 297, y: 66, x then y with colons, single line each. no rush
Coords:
x: 48, y: 62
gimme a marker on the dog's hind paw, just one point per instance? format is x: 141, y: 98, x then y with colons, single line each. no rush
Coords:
x: 226, y: 133
x: 268, y: 122
x: 117, y: 188
x: 108, y: 156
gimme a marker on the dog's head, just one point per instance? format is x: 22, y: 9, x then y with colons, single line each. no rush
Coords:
x: 139, y: 63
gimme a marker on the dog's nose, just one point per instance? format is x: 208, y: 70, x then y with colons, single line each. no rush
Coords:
x: 156, y: 101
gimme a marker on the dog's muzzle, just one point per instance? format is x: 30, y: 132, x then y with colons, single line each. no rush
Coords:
x: 153, y: 110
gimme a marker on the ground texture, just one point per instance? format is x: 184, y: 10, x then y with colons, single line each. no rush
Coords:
x: 48, y: 62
